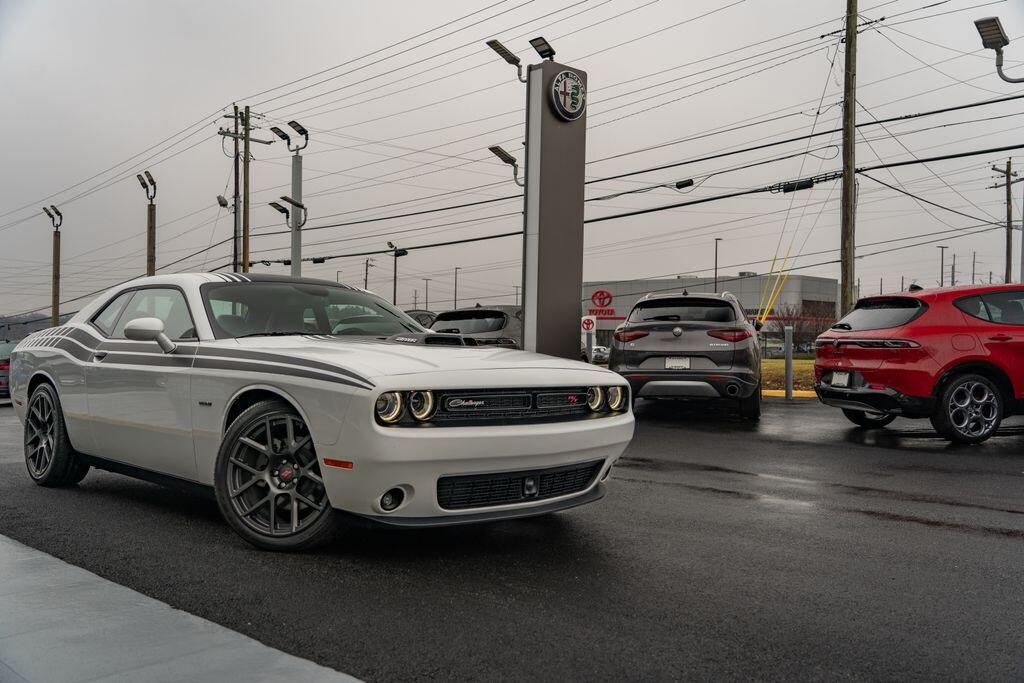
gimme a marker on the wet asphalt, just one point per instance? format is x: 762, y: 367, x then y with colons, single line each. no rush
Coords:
x: 801, y: 547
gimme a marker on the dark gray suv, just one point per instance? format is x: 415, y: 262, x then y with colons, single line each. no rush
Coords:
x: 690, y: 346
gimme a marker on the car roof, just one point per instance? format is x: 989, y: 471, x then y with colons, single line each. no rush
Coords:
x: 657, y: 296
x: 946, y: 293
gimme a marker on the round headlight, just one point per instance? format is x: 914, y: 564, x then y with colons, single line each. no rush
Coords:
x: 616, y: 398
x: 595, y: 397
x: 389, y: 407
x: 421, y: 404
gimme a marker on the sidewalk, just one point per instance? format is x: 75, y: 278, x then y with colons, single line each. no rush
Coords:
x: 60, y: 623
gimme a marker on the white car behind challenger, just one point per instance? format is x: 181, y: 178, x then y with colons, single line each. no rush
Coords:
x: 303, y: 404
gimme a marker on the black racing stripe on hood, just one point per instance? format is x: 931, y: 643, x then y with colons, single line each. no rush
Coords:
x: 236, y: 365
x: 283, y: 358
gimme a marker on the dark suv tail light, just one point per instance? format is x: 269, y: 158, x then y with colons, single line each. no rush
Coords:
x: 733, y: 335
x: 629, y: 335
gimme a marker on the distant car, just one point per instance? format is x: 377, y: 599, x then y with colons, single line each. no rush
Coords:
x: 422, y: 316
x: 491, y: 325
x: 952, y: 355
x: 600, y: 354
x: 690, y: 346
x: 5, y: 368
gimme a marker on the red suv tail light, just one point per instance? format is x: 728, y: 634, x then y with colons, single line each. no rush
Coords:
x: 733, y: 335
x: 629, y: 335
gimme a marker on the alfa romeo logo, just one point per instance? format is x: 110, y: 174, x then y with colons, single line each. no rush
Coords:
x: 569, y: 95
x: 602, y: 298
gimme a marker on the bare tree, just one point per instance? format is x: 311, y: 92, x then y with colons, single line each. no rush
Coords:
x: 808, y: 320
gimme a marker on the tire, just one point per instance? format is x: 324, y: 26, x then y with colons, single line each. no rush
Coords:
x: 750, y: 407
x: 49, y: 457
x: 868, y: 420
x: 257, y: 471
x: 969, y: 409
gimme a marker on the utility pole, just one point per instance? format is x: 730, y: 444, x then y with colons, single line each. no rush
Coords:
x: 990, y: 277
x: 456, y: 296
x: 245, y: 199
x: 236, y: 245
x: 974, y: 266
x: 879, y: 285
x: 57, y: 219
x: 415, y: 298
x: 901, y: 283
x: 366, y: 273
x: 847, y: 229
x: 1009, y: 217
x: 942, y: 266
x: 149, y: 187
x: 717, y: 240
x: 952, y: 272
x: 396, y: 253
x: 426, y: 293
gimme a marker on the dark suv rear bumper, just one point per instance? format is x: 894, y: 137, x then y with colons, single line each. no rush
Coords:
x: 875, y: 400
x: 695, y: 385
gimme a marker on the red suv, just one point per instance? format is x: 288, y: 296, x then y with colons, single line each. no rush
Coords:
x: 954, y: 355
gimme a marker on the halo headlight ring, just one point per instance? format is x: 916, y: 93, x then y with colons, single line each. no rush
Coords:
x: 421, y: 404
x: 389, y: 407
x: 616, y: 398
x: 595, y: 398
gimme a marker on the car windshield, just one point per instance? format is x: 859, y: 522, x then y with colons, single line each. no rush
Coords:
x: 880, y: 313
x: 285, y: 308
x: 683, y: 310
x: 469, y: 322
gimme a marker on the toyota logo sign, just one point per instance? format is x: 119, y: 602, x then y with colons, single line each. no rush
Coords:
x: 602, y: 298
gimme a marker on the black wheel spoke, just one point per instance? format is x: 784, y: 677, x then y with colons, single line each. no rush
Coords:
x: 40, y: 434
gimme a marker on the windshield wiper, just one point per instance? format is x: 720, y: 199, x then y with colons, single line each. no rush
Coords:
x: 270, y: 334
x: 842, y: 326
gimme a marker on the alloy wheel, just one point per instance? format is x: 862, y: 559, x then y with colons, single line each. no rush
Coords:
x: 973, y: 409
x: 40, y: 434
x: 273, y: 477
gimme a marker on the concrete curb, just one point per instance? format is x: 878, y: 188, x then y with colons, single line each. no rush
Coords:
x: 780, y: 393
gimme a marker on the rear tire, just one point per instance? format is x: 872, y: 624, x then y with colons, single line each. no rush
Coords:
x: 268, y: 482
x: 49, y: 457
x: 868, y: 420
x: 750, y: 407
x: 969, y: 409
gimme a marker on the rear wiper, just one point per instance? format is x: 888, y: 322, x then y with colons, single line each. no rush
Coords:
x: 270, y: 334
x: 668, y: 318
x: 842, y: 326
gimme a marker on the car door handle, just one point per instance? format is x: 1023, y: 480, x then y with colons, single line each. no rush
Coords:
x: 1000, y: 337
x: 99, y: 355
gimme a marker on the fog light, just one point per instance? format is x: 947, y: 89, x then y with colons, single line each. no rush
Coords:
x: 391, y: 500
x: 389, y: 407
x: 595, y: 397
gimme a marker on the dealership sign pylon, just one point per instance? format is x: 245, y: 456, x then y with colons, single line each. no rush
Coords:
x: 556, y: 141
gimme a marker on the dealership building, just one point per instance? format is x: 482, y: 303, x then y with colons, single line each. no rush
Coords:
x: 611, y: 300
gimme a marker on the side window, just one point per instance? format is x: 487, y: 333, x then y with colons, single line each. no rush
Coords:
x: 105, y: 319
x: 166, y: 304
x: 1006, y: 308
x: 973, y: 307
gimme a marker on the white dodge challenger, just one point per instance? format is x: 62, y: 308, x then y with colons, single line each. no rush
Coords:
x: 306, y: 405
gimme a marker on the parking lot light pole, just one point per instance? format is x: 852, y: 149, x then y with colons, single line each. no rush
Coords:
x: 298, y: 219
x: 456, y: 297
x: 149, y: 187
x: 717, y: 240
x: 396, y: 253
x: 57, y: 219
x: 942, y: 265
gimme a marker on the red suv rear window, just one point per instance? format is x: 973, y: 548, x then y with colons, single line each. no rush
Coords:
x: 881, y: 313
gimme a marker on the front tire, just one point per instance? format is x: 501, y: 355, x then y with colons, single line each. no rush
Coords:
x: 49, y: 457
x: 868, y: 420
x: 268, y: 482
x: 969, y: 410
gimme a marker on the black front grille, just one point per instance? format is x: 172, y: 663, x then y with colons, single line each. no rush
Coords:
x: 504, y: 488
x: 503, y: 406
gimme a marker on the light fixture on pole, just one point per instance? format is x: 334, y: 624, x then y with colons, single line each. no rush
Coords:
x: 57, y: 219
x: 396, y: 252
x: 149, y: 187
x: 508, y: 56
x: 993, y: 37
x: 507, y: 158
x: 543, y: 48
x: 297, y: 220
x: 222, y: 201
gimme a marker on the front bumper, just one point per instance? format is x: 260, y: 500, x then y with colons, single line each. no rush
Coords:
x: 728, y: 384
x: 414, y: 460
x: 886, y: 400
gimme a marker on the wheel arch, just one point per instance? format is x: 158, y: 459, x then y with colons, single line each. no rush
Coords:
x: 985, y: 369
x: 253, y: 394
x: 40, y: 377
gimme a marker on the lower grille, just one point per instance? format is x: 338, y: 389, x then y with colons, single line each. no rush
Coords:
x: 504, y: 488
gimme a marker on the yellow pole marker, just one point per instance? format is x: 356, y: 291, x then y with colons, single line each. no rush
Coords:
x: 777, y: 293
x: 771, y: 274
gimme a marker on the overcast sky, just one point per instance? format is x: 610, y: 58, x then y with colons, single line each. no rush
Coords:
x: 88, y: 85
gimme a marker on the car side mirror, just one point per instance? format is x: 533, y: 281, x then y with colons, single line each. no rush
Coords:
x: 149, y: 329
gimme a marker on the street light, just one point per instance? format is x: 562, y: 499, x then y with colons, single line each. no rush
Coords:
x: 149, y: 187
x: 543, y: 47
x: 507, y: 158
x: 508, y: 56
x: 993, y: 37
x: 222, y: 201
x: 297, y: 205
x: 717, y: 240
x: 942, y: 265
x: 396, y: 252
x: 56, y: 218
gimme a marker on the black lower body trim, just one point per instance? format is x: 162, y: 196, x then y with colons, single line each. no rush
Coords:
x: 152, y: 477
x: 886, y: 401
x: 595, y: 493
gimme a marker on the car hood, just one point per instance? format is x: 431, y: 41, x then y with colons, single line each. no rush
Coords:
x: 375, y: 358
